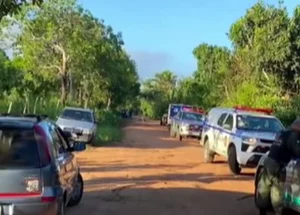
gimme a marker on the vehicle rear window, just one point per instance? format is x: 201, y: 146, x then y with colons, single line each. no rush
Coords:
x: 18, y: 148
x: 192, y: 116
x: 77, y: 115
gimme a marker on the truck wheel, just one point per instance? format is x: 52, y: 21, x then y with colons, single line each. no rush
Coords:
x: 269, y: 207
x: 259, y: 174
x: 232, y: 161
x: 161, y: 123
x: 171, y: 133
x: 179, y: 137
x: 208, y: 154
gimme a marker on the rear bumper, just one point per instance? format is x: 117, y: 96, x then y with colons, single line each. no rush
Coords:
x: 31, y: 209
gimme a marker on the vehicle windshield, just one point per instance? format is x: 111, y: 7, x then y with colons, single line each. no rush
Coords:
x: 192, y: 116
x: 18, y: 148
x: 258, y: 123
x: 77, y: 115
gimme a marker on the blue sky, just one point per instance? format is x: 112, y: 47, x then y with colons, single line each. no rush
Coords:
x: 162, y: 34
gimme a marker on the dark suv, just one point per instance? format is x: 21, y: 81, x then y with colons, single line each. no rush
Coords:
x: 39, y: 174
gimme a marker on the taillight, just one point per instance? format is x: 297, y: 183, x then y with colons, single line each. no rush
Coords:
x: 41, y: 138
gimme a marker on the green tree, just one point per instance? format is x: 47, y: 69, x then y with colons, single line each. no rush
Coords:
x: 13, y: 6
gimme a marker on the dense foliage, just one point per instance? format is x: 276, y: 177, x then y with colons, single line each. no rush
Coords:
x: 262, y: 69
x: 63, y: 55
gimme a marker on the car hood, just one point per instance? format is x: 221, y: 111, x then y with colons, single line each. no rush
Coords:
x: 258, y: 135
x: 193, y: 122
x: 74, y: 123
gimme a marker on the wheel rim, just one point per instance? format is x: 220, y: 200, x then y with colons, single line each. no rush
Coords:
x: 77, y: 189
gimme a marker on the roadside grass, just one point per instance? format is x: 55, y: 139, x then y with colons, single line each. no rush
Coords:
x: 110, y: 123
x: 110, y: 128
x: 107, y: 134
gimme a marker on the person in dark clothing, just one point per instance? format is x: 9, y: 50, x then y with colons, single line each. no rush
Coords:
x: 270, y: 186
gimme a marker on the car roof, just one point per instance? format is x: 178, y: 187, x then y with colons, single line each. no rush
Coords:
x: 18, y: 122
x: 241, y: 112
x: 77, y: 108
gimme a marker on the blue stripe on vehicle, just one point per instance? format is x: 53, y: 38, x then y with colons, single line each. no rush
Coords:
x: 237, y: 134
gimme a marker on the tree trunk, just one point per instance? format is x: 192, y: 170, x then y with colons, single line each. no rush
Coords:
x: 108, y: 103
x: 64, y: 90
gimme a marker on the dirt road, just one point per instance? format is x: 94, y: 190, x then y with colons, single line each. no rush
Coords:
x: 150, y: 173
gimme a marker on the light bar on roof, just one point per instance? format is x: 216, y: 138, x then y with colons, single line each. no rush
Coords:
x: 259, y: 110
x: 193, y: 109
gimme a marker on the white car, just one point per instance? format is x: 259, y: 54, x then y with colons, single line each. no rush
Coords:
x: 80, y: 122
x: 241, y: 134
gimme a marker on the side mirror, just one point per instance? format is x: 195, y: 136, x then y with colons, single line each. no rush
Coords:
x: 79, y: 146
x: 68, y: 134
x: 227, y: 126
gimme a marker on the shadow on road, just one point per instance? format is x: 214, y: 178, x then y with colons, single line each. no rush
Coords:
x: 189, y: 177
x: 164, y: 201
x: 95, y: 167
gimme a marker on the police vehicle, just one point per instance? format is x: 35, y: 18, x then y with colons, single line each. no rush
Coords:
x: 241, y: 134
x: 188, y: 122
x: 173, y: 110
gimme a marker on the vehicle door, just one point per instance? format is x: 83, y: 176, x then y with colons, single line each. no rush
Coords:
x: 176, y: 121
x: 217, y: 131
x: 225, y: 134
x: 64, y: 159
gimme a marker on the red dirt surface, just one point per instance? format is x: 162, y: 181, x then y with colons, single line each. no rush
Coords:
x: 150, y: 173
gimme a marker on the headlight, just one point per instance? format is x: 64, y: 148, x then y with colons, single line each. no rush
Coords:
x: 249, y: 140
x: 87, y: 131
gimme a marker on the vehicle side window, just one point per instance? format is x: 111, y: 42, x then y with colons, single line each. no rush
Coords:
x: 221, y: 119
x: 179, y: 115
x: 229, y: 122
x: 57, y: 140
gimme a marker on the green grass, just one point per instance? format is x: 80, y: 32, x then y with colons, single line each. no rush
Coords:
x: 110, y: 123
x: 108, y: 134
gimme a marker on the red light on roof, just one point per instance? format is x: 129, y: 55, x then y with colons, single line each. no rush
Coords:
x: 259, y: 110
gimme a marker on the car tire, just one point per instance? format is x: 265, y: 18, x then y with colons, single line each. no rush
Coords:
x: 232, y: 161
x: 172, y: 133
x: 261, y: 210
x: 161, y: 123
x: 208, y: 154
x: 259, y: 173
x: 179, y: 137
x: 75, y: 200
x: 92, y: 140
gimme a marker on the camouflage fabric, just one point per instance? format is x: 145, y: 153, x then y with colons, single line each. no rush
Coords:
x: 270, y: 192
